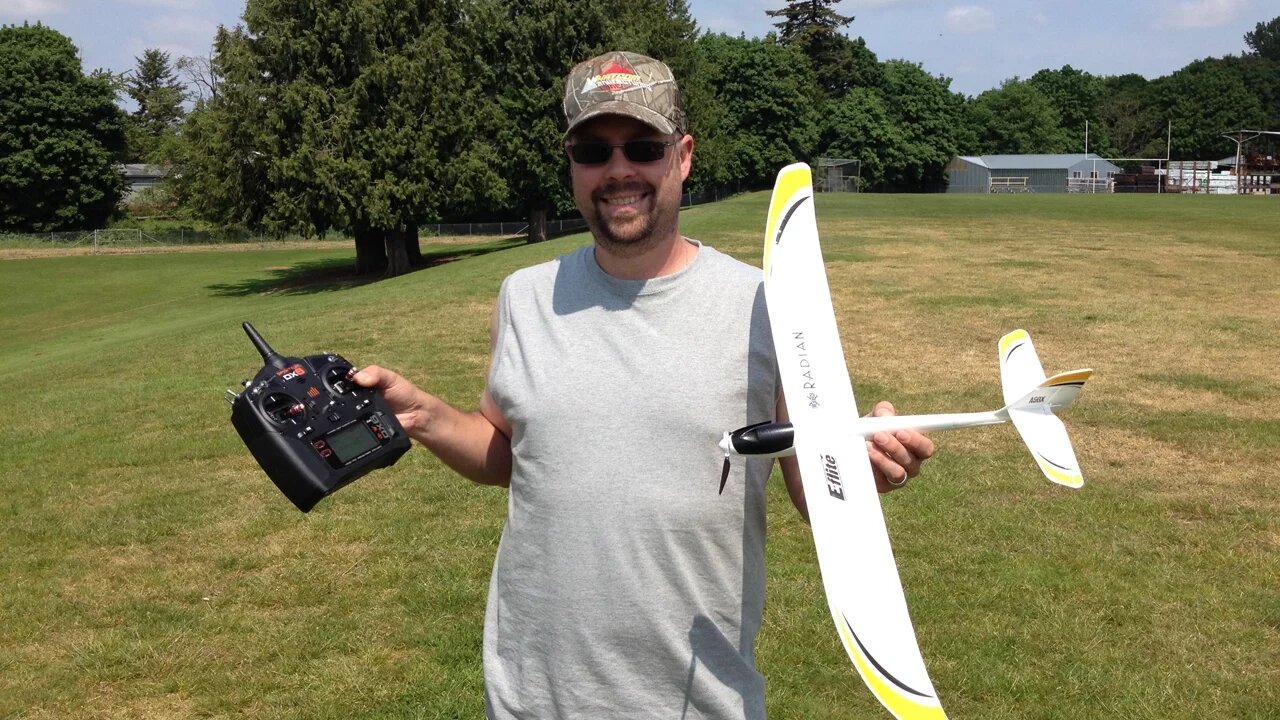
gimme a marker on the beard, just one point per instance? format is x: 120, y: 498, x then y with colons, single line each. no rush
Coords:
x: 631, y: 237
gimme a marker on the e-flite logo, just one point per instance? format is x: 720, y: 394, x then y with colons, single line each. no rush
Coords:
x: 802, y: 354
x: 834, y: 486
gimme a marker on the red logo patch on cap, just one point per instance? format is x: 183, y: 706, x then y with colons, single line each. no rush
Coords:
x: 614, y: 78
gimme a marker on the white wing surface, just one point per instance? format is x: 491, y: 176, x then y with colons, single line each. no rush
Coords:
x: 858, y: 569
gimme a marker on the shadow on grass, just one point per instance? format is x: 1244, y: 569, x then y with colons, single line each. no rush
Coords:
x: 318, y: 276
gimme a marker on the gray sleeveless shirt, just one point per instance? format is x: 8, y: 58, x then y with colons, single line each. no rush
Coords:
x: 624, y: 586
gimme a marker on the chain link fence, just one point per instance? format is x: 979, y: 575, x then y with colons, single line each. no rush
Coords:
x: 512, y: 228
x: 135, y: 239
x: 130, y: 239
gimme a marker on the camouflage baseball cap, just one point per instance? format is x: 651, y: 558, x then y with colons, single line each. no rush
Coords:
x: 628, y: 84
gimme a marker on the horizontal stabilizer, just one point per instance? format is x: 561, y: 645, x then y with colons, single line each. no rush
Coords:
x: 1046, y: 438
x: 1035, y: 416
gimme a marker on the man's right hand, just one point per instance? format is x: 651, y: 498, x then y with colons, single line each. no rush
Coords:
x: 407, y: 400
x: 476, y: 444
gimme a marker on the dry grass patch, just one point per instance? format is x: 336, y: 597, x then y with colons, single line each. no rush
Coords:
x: 155, y: 571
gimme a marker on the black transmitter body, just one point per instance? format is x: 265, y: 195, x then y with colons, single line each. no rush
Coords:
x: 310, y: 427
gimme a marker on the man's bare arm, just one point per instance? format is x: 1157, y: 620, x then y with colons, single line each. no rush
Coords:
x: 475, y: 444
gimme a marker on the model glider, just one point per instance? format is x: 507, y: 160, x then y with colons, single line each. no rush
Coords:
x: 827, y: 436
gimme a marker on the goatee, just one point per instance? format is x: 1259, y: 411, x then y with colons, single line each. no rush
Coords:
x: 637, y: 236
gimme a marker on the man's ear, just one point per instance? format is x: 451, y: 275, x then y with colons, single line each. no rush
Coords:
x: 686, y: 156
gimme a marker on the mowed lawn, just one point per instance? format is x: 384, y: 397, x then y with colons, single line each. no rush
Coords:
x: 150, y: 570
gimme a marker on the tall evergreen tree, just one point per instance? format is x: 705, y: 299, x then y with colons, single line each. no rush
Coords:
x: 665, y: 29
x: 355, y: 115
x: 813, y: 27
x: 60, y: 134
x: 804, y: 21
x: 1264, y: 39
x: 155, y: 89
x: 529, y: 46
x: 223, y: 169
x: 770, y: 99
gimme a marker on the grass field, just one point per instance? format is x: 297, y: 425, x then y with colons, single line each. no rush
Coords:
x: 150, y: 570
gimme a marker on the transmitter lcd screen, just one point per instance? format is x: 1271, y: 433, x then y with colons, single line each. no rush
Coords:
x: 351, y: 442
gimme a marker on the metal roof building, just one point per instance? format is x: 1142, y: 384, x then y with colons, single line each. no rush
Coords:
x: 138, y: 176
x: 1067, y: 172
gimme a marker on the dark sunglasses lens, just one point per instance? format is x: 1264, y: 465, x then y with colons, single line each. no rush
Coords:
x: 644, y: 151
x: 637, y: 151
x: 590, y: 153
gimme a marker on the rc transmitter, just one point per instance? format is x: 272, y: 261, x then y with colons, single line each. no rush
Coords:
x: 310, y: 426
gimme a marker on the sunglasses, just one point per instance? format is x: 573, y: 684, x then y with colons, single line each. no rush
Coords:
x: 595, y: 152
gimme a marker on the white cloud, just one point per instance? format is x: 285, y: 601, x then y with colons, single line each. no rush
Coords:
x: 178, y: 35
x: 1200, y: 14
x: 30, y: 9
x: 970, y: 19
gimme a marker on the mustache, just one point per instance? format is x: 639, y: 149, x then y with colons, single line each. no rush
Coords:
x: 616, y: 187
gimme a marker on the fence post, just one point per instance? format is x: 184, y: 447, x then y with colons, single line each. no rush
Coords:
x: 95, y: 242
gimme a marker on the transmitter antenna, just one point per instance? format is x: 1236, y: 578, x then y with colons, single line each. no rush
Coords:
x: 269, y: 356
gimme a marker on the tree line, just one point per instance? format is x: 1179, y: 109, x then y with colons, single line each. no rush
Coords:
x: 375, y: 117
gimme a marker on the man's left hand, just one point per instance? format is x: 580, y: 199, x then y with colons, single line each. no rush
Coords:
x: 896, y: 456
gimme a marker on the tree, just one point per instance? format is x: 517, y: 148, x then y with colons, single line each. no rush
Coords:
x: 1201, y: 101
x: 1125, y: 116
x: 664, y: 29
x: 850, y: 64
x: 1264, y: 39
x: 770, y: 98
x: 813, y: 27
x: 222, y: 174
x: 529, y: 47
x: 1075, y: 94
x: 1017, y: 118
x: 60, y: 133
x: 202, y: 76
x: 355, y: 115
x: 159, y: 95
x: 930, y: 119
x: 1261, y: 77
x: 860, y: 127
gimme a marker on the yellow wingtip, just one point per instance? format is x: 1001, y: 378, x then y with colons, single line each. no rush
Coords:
x: 902, y: 705
x: 792, y: 180
x: 1011, y: 338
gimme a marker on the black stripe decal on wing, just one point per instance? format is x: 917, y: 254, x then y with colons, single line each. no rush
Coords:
x: 787, y: 218
x: 877, y: 665
x: 1010, y: 353
x: 1063, y: 468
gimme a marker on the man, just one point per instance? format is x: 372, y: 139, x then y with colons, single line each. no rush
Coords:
x: 624, y: 585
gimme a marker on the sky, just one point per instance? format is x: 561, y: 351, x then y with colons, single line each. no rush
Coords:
x: 976, y: 43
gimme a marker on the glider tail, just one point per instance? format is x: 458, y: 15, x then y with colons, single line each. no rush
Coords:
x: 1034, y: 413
